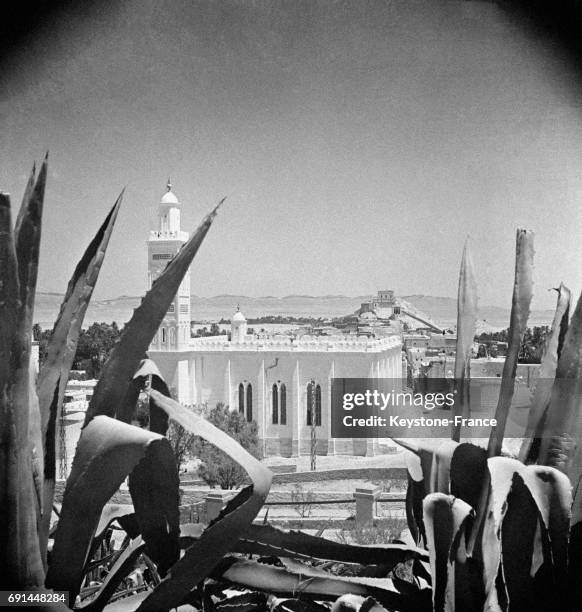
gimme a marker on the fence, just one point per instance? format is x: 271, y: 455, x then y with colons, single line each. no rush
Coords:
x: 366, y: 500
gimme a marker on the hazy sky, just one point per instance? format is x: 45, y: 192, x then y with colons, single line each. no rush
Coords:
x: 358, y: 143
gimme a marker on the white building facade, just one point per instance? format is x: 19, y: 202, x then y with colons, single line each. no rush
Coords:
x: 273, y: 380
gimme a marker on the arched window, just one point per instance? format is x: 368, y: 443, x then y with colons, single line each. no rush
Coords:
x: 249, y: 402
x: 283, y: 391
x: 275, y: 417
x: 311, y: 392
x: 163, y: 335
x: 241, y: 398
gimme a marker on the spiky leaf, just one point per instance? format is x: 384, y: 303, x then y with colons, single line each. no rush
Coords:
x: 106, y: 453
x: 61, y: 349
x: 520, y: 306
x: 466, y: 319
x: 109, y: 394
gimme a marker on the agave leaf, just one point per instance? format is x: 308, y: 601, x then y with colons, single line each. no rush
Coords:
x: 119, y: 369
x: 428, y: 468
x: 63, y: 343
x: 27, y: 193
x: 147, y: 478
x: 245, y: 602
x: 27, y: 233
x: 109, y: 514
x: 446, y: 519
x: 148, y: 370
x: 468, y: 472
x: 9, y: 291
x: 35, y: 437
x: 415, y: 493
x: 563, y: 429
x: 445, y: 467
x: 123, y: 565
x: 520, y: 307
x: 466, y: 319
x: 430, y: 462
x: 19, y: 546
x: 265, y: 540
x: 199, y: 560
x: 527, y: 496
x: 543, y: 391
x: 61, y: 349
x: 27, y: 242
x: 562, y: 432
x: 283, y: 604
x: 106, y: 453
x: 311, y: 583
x: 154, y: 488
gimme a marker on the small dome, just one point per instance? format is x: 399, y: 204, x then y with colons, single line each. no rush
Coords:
x: 238, y: 317
x: 169, y: 197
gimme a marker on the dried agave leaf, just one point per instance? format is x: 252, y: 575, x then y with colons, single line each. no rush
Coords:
x: 560, y: 446
x: 520, y: 307
x: 547, y: 372
x: 466, y: 320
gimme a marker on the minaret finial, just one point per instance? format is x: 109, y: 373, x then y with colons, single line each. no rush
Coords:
x: 169, y: 184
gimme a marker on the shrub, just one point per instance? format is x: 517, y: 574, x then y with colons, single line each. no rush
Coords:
x: 217, y: 468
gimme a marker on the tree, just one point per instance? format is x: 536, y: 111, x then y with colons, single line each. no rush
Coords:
x: 216, y: 467
x: 181, y: 441
x: 94, y: 346
x: 531, y: 348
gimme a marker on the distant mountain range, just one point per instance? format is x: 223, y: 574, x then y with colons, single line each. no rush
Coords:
x: 441, y: 310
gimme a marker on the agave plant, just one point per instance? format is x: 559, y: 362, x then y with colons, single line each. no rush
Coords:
x: 502, y: 533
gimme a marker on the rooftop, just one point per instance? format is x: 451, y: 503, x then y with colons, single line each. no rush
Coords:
x: 305, y: 343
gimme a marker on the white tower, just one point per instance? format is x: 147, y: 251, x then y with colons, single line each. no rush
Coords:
x: 238, y: 327
x: 164, y: 242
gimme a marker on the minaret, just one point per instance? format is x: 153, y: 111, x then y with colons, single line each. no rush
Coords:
x: 164, y: 242
x: 238, y: 327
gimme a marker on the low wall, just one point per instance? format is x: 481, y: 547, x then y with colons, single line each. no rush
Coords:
x: 370, y: 473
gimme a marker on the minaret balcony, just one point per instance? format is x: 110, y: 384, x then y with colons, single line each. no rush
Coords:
x: 158, y: 235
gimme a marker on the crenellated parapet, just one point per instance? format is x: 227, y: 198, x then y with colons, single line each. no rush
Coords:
x: 297, y: 344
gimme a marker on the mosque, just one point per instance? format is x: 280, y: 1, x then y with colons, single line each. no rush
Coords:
x: 271, y: 379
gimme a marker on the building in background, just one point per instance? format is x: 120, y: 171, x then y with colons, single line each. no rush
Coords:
x: 271, y: 379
